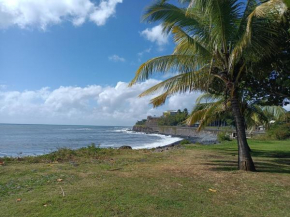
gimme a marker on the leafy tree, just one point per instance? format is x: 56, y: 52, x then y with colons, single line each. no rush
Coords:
x: 288, y: 117
x: 279, y: 131
x: 185, y: 111
x: 174, y: 120
x: 142, y: 122
x: 217, y: 41
x: 273, y: 87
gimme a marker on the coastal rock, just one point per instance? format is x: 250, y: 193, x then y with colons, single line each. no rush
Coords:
x: 143, y: 129
x: 206, y: 136
x: 125, y: 147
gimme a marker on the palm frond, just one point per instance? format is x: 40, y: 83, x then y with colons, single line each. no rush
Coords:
x: 206, y: 113
x: 186, y: 45
x: 184, y: 82
x: 208, y: 97
x: 275, y: 112
x: 259, y: 33
x: 170, y: 15
x: 170, y: 63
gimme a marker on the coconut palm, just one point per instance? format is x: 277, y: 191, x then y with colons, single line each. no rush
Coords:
x: 216, y: 43
x: 210, y: 107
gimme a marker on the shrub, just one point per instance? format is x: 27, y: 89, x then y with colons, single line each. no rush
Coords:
x: 142, y: 122
x: 173, y: 120
x: 185, y: 142
x: 223, y: 136
x: 279, y: 131
x: 62, y: 154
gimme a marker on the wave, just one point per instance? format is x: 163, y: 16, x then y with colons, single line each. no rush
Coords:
x: 166, y: 139
x: 124, y: 130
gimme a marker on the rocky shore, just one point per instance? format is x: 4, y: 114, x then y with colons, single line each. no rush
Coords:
x: 204, y: 137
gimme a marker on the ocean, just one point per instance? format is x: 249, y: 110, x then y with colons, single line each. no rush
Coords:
x: 17, y: 140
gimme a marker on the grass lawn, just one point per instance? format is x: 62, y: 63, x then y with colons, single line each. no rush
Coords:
x: 192, y: 181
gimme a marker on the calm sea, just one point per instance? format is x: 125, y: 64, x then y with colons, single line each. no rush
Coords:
x: 24, y: 140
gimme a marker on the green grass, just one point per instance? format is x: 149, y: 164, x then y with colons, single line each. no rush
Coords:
x: 108, y: 182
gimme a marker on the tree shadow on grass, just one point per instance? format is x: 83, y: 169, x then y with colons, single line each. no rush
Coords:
x: 222, y: 165
x: 271, y: 167
x: 265, y: 161
x: 271, y: 154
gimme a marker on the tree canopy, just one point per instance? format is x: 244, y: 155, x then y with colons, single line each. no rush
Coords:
x: 219, y: 46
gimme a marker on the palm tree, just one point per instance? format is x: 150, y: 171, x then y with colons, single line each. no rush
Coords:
x: 210, y: 107
x: 216, y: 43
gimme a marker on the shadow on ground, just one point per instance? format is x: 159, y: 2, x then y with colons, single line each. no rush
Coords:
x: 265, y: 161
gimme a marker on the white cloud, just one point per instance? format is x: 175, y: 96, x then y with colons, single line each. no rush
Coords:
x: 140, y: 54
x: 155, y: 35
x: 41, y: 13
x: 186, y: 100
x: 116, y: 58
x: 94, y: 105
x: 148, y: 50
x: 105, y: 10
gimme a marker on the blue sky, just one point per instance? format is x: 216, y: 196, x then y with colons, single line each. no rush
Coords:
x: 64, y: 54
x: 70, y: 61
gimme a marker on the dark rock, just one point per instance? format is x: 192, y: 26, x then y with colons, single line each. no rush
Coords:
x: 143, y: 129
x: 125, y: 147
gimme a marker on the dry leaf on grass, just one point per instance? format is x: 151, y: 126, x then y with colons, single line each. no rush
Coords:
x: 212, y: 190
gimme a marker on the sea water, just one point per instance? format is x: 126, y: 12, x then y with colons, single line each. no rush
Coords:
x: 29, y: 140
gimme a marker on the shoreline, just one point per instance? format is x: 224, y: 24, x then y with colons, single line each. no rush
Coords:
x: 167, y: 146
x: 191, y: 139
x: 206, y: 137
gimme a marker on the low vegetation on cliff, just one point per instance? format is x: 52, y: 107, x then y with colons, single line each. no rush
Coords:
x: 174, y: 120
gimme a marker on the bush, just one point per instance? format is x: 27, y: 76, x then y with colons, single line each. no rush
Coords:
x: 173, y: 120
x: 223, y: 136
x: 142, y: 123
x: 279, y: 131
x: 185, y: 142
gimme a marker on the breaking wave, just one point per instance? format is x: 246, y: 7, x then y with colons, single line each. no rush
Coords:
x: 162, y: 141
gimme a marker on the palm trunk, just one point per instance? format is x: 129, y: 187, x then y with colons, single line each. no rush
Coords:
x: 245, y: 160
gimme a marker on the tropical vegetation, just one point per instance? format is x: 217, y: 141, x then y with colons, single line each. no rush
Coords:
x: 279, y: 131
x: 219, y: 44
x: 141, y: 123
x: 210, y: 107
x: 174, y: 120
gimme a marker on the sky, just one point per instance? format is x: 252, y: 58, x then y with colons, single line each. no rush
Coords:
x: 70, y: 62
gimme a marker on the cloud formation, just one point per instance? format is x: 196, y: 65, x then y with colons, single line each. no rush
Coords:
x: 141, y: 54
x: 93, y: 104
x: 116, y: 58
x: 155, y: 35
x: 105, y: 10
x: 41, y: 13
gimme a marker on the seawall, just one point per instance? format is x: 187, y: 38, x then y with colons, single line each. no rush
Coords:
x: 208, y: 136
